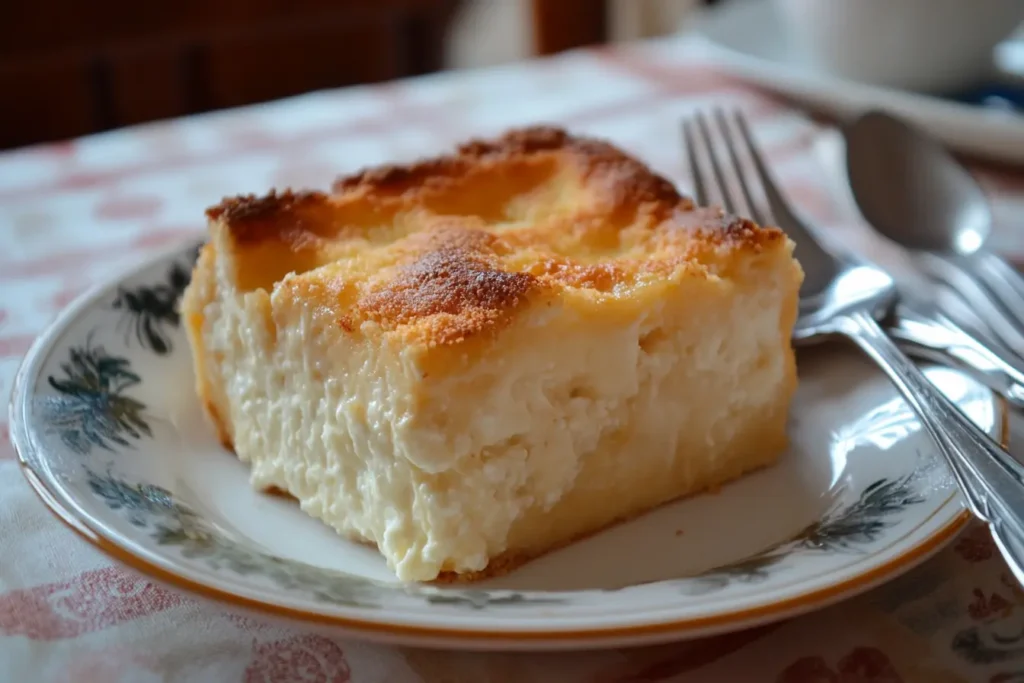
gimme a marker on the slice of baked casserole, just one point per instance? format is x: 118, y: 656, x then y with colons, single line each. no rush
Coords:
x: 476, y: 359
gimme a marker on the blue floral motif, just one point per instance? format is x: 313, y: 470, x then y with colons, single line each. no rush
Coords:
x: 171, y: 523
x: 149, y: 310
x: 93, y: 408
x: 842, y: 529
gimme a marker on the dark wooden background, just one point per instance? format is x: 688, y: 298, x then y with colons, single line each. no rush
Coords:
x: 71, y: 67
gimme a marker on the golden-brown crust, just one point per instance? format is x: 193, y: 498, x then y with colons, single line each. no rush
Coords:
x: 456, y: 283
x: 287, y: 217
x: 450, y: 248
x: 596, y: 161
x: 243, y: 211
x: 712, y: 227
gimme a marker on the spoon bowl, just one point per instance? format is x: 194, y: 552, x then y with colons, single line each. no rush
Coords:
x: 912, y: 190
x: 916, y: 194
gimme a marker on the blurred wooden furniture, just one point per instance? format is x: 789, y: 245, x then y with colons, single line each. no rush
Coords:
x: 69, y: 67
x: 560, y: 25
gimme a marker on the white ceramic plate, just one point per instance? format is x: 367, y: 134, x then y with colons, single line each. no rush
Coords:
x: 749, y: 38
x: 110, y: 435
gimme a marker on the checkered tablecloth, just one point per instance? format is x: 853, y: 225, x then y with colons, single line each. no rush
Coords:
x: 74, y: 212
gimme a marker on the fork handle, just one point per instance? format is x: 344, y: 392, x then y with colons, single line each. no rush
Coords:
x: 989, y: 477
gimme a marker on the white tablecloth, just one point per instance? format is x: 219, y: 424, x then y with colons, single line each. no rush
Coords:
x: 73, y: 212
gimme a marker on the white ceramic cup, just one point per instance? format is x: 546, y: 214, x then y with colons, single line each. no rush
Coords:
x: 924, y: 45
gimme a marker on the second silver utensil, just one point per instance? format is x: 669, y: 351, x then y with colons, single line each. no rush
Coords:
x: 916, y: 194
x: 922, y: 331
x: 843, y: 296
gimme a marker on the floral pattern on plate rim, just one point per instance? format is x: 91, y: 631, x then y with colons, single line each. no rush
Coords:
x: 93, y: 409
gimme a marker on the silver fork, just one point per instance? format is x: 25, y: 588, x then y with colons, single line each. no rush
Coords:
x: 844, y: 296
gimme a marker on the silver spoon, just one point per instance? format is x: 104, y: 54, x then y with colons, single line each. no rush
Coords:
x: 846, y: 297
x: 912, y: 191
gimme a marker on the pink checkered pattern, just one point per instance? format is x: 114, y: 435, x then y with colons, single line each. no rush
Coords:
x: 73, y: 212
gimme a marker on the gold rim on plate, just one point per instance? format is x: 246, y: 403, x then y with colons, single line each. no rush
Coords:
x: 721, y: 621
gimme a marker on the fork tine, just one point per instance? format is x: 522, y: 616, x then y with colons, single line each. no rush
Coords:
x: 816, y: 260
x: 699, y: 184
x: 752, y: 208
x: 777, y: 204
x: 716, y: 166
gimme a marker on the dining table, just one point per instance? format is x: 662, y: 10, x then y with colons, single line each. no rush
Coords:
x: 75, y: 212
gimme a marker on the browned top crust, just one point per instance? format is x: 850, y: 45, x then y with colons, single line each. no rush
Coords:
x: 247, y: 208
x: 595, y: 160
x: 452, y: 247
x: 470, y: 293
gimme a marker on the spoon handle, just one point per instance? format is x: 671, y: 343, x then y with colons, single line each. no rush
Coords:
x: 991, y: 480
x: 1011, y: 547
x: 990, y: 286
